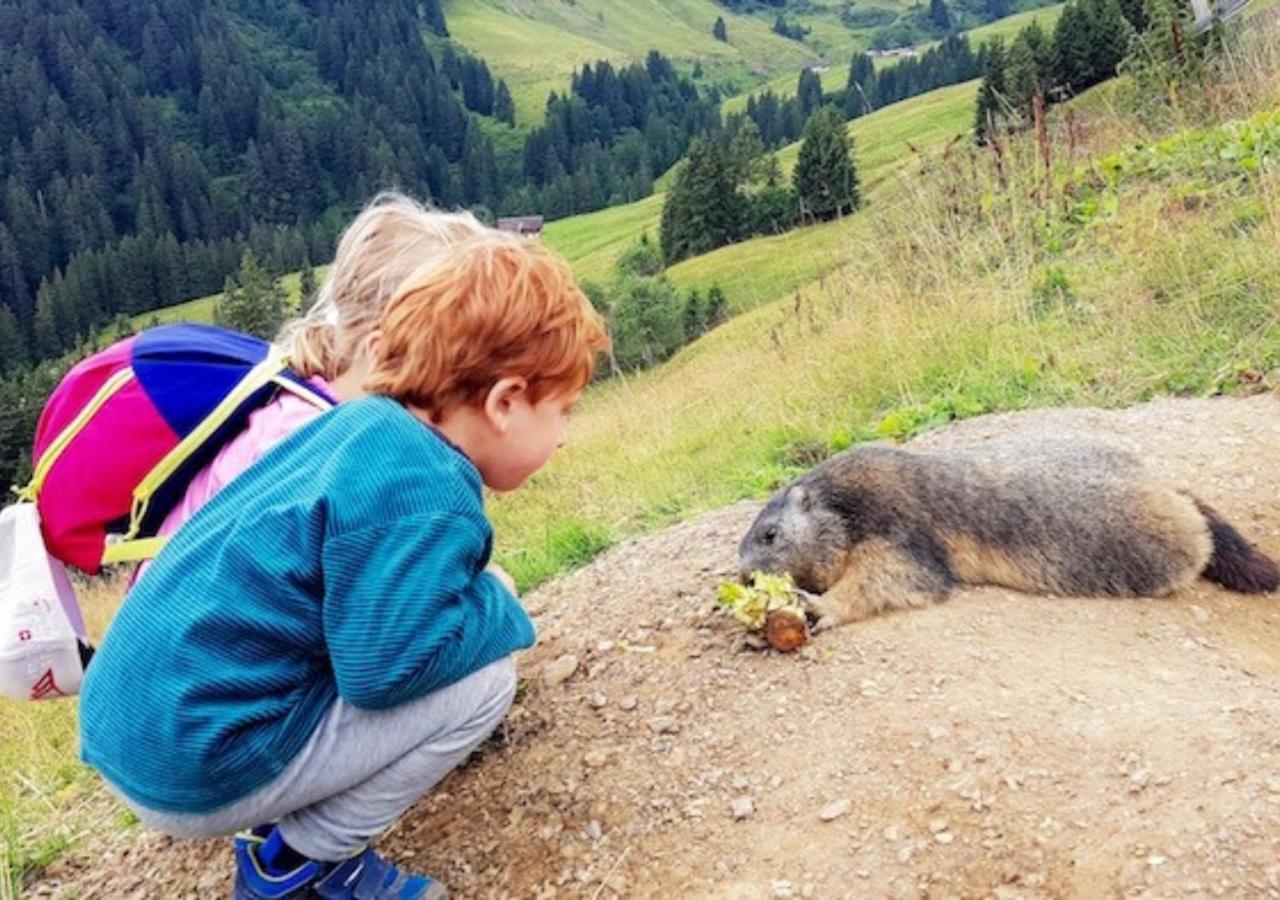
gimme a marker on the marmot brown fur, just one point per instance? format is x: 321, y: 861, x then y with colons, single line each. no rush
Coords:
x: 877, y: 528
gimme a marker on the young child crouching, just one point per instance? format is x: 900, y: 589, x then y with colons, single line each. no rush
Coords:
x: 325, y: 640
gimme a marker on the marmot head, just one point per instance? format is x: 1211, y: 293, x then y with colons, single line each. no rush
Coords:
x: 797, y: 533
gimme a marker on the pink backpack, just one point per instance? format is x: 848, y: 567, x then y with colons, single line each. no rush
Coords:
x: 117, y: 443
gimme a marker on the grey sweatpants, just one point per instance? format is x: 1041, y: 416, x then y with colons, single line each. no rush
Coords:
x: 361, y: 770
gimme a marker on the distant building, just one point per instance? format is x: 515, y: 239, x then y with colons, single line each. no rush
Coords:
x: 818, y: 68
x: 526, y: 226
x: 893, y: 53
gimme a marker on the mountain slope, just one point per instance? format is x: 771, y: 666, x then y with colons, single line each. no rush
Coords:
x: 513, y: 36
x: 592, y: 242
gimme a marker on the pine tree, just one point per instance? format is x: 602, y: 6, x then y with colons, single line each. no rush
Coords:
x: 46, y: 326
x: 991, y: 102
x: 252, y: 300
x: 1022, y: 77
x: 1110, y: 36
x: 718, y: 30
x: 434, y: 17
x: 746, y: 154
x: 13, y: 283
x: 808, y: 92
x: 717, y: 309
x: 1072, y: 53
x: 504, y: 109
x: 306, y: 285
x: 695, y: 316
x: 825, y: 179
x: 939, y: 15
x: 1135, y: 11
x: 702, y: 210
x: 13, y: 349
x: 860, y: 87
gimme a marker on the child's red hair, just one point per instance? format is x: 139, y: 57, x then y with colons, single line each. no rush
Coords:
x: 498, y: 306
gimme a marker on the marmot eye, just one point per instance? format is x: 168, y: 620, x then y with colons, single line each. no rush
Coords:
x: 769, y: 534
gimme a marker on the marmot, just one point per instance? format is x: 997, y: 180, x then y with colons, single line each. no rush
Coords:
x: 877, y: 528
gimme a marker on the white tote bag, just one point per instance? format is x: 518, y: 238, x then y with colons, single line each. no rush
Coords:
x: 43, y: 648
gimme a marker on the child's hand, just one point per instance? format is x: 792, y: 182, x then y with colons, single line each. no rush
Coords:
x: 499, y: 573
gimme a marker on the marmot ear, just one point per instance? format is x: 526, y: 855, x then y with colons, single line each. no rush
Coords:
x: 803, y: 498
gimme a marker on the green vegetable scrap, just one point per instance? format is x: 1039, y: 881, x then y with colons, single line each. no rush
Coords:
x: 751, y: 604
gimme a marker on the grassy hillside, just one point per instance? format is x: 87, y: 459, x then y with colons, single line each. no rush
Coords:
x: 754, y: 271
x: 763, y: 268
x: 1008, y: 28
x: 837, y: 73
x: 201, y: 308
x: 514, y: 37
x: 962, y: 293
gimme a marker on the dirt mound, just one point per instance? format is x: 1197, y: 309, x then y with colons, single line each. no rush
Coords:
x: 997, y: 745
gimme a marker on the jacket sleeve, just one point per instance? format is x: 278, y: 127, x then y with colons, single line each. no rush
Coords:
x: 409, y: 609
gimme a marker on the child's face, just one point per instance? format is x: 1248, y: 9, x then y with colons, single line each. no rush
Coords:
x: 532, y: 433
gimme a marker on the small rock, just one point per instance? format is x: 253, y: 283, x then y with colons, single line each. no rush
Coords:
x: 627, y: 704
x: 596, y: 758
x: 1200, y: 614
x: 938, y: 733
x: 893, y: 833
x: 835, y: 809
x: 594, y: 831
x: 938, y: 825
x: 664, y: 725
x: 598, y: 701
x: 782, y: 889
x: 944, y: 837
x: 560, y: 670
x: 742, y: 807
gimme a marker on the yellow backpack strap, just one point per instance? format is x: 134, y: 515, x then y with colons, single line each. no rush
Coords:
x: 258, y: 376
x: 133, y: 551
x: 302, y: 390
x: 50, y: 456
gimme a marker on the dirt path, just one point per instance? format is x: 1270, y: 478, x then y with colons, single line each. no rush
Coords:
x: 995, y: 746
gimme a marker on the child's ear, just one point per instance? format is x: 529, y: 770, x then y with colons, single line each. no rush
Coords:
x: 498, y: 402
x: 372, y: 343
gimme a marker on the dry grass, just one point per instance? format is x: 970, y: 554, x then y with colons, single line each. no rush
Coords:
x: 48, y: 800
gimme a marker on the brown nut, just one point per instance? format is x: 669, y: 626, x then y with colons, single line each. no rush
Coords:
x: 785, y: 630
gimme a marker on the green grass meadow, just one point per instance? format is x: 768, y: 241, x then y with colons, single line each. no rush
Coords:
x: 764, y: 268
x: 514, y: 38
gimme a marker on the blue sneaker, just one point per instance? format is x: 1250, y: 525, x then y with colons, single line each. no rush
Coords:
x: 365, y: 876
x: 370, y: 877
